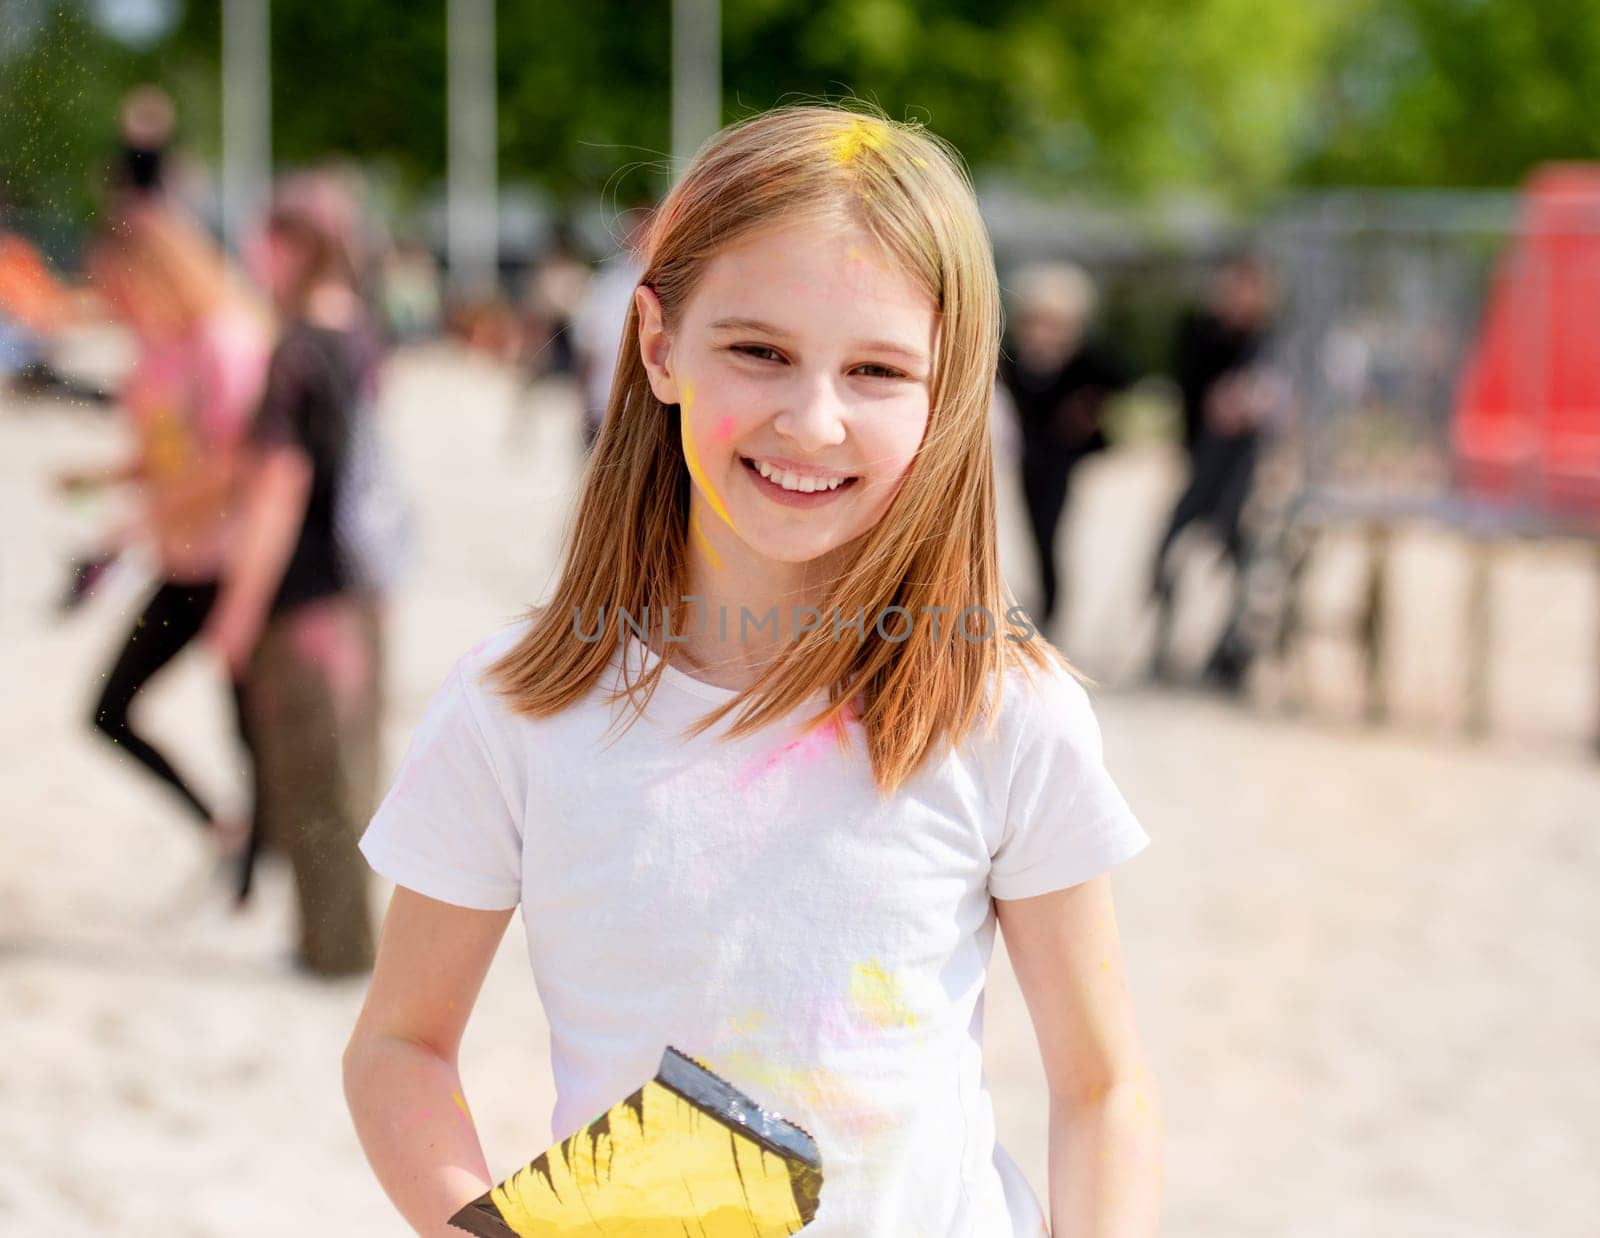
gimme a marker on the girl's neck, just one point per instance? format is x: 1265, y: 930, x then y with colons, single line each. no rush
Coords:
x: 747, y: 612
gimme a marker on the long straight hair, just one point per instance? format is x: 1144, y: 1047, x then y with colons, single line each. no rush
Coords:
x: 164, y: 258
x: 935, y: 547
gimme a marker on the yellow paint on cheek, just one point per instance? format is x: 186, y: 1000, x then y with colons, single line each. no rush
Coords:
x: 877, y: 995
x: 691, y: 457
x: 461, y: 1105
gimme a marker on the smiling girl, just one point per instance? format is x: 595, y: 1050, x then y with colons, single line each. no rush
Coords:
x: 785, y: 849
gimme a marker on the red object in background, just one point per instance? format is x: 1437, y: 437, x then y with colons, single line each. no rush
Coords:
x: 1527, y: 420
x: 29, y: 293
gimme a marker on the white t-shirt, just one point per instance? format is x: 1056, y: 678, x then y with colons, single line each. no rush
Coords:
x: 756, y: 905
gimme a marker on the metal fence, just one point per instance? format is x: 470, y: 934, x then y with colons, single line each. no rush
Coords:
x: 1434, y: 350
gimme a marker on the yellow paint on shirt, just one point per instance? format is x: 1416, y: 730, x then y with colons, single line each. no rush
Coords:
x: 878, y: 997
x: 747, y: 1024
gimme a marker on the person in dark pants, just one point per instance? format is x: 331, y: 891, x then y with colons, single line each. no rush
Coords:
x: 1225, y: 396
x: 1058, y: 384
x: 170, y: 620
x: 290, y: 624
x: 201, y: 355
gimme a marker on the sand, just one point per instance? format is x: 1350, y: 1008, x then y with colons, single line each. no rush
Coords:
x: 1364, y: 961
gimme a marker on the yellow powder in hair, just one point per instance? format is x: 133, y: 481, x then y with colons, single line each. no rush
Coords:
x: 858, y: 136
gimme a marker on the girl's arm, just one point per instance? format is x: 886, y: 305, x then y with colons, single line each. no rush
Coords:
x: 274, y: 509
x: 1105, y: 1117
x: 400, y: 1076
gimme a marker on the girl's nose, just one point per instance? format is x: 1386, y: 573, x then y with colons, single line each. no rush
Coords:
x: 814, y: 417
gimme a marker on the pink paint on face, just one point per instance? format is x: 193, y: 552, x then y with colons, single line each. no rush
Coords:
x: 808, y: 349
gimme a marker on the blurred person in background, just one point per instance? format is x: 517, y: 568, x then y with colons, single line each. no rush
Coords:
x: 296, y: 623
x: 34, y: 306
x: 552, y: 298
x: 1058, y: 383
x: 202, y: 349
x: 1226, y: 395
x: 409, y: 296
x: 552, y: 295
x: 146, y: 122
x: 597, y: 330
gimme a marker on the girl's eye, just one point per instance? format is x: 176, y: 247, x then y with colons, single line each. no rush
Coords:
x: 879, y: 371
x: 759, y: 351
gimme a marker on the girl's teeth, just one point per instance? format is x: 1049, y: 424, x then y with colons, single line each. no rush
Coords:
x: 794, y: 481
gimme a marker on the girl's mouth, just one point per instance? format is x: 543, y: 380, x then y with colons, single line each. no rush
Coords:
x: 775, y: 490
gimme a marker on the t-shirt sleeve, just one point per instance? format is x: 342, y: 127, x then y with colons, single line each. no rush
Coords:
x: 447, y: 828
x: 1066, y: 821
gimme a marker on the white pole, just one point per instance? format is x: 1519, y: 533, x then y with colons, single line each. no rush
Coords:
x: 472, y: 226
x: 696, y: 76
x: 246, y: 115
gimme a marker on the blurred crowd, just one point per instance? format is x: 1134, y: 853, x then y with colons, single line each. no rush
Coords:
x: 277, y: 521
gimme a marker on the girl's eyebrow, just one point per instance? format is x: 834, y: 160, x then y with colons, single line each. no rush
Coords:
x: 767, y: 328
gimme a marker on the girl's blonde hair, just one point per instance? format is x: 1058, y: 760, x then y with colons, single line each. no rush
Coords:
x: 168, y: 260
x: 935, y: 546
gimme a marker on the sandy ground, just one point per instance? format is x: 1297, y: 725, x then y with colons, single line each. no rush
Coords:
x: 1364, y: 962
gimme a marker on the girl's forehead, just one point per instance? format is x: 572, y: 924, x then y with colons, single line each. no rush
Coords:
x: 807, y: 240
x: 788, y: 269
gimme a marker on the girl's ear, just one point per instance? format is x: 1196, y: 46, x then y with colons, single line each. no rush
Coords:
x: 655, y: 345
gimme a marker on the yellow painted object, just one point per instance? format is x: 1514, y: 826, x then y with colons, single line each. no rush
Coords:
x: 687, y: 1146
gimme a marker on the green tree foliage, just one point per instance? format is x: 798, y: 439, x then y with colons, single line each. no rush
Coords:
x: 1234, y: 98
x: 1458, y: 92
x: 1068, y: 94
x: 60, y: 82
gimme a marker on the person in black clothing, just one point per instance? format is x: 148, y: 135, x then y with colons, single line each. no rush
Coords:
x: 289, y: 623
x: 1058, y: 384
x: 1224, y: 393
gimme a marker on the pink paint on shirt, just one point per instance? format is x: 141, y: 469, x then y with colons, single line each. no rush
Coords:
x: 803, y: 750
